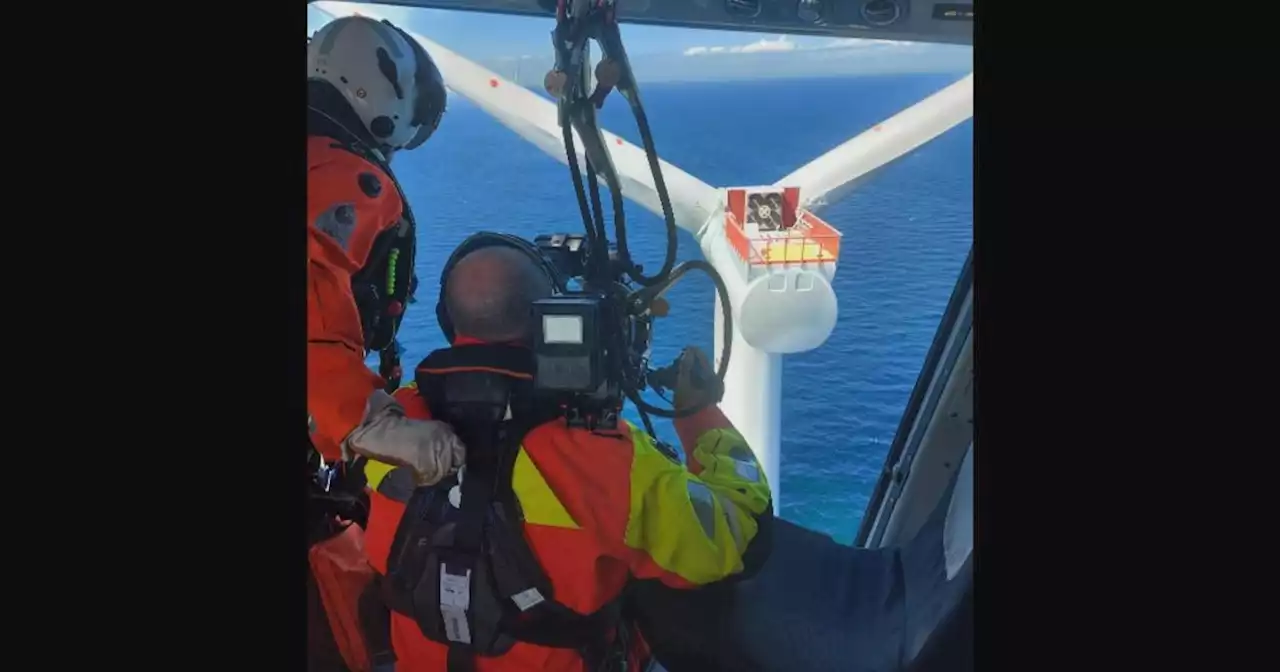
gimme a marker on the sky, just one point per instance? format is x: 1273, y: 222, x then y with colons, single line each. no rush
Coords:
x: 522, y: 44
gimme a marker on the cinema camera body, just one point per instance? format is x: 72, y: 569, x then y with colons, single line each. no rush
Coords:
x: 592, y: 341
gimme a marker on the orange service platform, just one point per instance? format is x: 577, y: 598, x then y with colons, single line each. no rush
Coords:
x: 766, y: 227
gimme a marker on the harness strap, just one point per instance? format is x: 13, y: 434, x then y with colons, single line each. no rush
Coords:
x: 460, y: 659
x: 456, y: 571
x: 389, y: 367
x: 375, y: 620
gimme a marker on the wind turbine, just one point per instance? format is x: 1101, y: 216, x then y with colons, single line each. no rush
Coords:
x: 777, y: 257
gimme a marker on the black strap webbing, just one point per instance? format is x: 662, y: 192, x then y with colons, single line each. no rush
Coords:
x: 486, y: 451
x: 561, y: 627
x: 460, y: 659
x: 375, y: 620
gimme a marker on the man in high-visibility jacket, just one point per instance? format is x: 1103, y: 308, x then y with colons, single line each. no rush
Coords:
x: 371, y: 91
x: 598, y: 509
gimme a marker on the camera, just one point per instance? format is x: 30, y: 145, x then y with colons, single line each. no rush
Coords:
x: 567, y: 346
x: 589, y: 345
x: 566, y: 252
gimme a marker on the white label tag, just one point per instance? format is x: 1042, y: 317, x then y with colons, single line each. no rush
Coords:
x: 455, y: 624
x: 746, y: 470
x: 455, y: 597
x: 455, y: 591
x: 527, y: 599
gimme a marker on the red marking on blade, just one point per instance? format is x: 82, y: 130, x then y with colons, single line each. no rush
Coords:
x: 493, y: 83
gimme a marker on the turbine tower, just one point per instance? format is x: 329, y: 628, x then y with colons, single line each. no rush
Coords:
x: 777, y: 257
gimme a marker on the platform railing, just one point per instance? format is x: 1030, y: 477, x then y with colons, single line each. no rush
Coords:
x: 811, y: 240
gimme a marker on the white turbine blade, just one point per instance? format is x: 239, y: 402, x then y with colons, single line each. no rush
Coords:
x: 535, y: 119
x: 829, y: 177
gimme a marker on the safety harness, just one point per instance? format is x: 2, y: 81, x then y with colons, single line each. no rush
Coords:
x: 459, y: 565
x: 385, y: 286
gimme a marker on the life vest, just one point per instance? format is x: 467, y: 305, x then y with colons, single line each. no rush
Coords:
x: 459, y: 564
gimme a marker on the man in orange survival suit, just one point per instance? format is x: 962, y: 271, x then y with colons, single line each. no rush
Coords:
x: 598, y: 509
x: 371, y: 90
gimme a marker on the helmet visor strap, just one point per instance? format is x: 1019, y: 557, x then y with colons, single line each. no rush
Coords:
x: 428, y: 105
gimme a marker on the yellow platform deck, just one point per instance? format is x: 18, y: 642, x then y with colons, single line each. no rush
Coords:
x: 790, y: 251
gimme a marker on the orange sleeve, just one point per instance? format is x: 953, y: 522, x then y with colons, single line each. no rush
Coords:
x: 338, y: 389
x: 415, y: 406
x: 349, y: 202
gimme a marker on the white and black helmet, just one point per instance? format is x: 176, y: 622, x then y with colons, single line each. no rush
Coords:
x: 386, y: 76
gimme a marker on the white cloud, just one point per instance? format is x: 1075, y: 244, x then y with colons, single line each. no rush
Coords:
x: 861, y: 43
x: 763, y: 45
x: 782, y: 44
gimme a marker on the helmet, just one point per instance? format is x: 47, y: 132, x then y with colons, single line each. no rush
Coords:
x: 386, y: 76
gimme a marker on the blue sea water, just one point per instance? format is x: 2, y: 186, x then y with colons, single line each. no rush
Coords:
x: 906, y: 233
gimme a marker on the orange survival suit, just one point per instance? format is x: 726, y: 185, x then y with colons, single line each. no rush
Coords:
x: 597, y: 509
x: 371, y: 90
x: 360, y: 244
x: 360, y: 261
x: 350, y: 203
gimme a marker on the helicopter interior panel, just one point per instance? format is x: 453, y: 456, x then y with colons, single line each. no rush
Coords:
x: 907, y: 20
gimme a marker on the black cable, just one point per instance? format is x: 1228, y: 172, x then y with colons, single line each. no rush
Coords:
x: 660, y: 185
x: 620, y: 223
x: 570, y: 40
x: 597, y: 213
x: 634, y: 396
x: 578, y: 102
x: 576, y: 174
x: 632, y: 269
x: 647, y: 295
x: 597, y: 269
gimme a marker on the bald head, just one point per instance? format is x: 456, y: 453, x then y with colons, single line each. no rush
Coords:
x: 489, y: 294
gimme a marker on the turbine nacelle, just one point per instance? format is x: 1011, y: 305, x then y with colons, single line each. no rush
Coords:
x: 778, y: 260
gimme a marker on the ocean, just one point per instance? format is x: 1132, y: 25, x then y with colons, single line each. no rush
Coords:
x: 906, y: 233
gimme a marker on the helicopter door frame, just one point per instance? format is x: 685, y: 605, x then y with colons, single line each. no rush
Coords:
x: 935, y: 432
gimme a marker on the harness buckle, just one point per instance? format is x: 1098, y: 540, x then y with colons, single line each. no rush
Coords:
x: 325, y: 473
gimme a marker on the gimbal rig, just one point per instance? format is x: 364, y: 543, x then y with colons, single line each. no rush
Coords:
x: 598, y: 340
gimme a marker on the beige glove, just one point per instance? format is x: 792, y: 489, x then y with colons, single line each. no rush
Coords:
x: 429, y: 448
x: 696, y: 382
